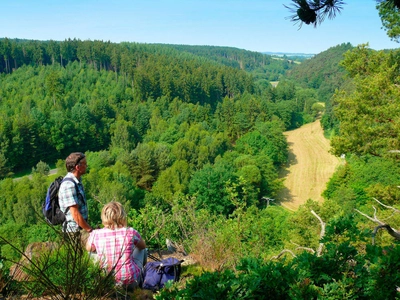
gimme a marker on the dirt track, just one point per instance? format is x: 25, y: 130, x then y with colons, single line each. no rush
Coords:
x: 309, y: 168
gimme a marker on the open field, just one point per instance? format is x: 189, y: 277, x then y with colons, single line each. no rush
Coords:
x: 309, y: 168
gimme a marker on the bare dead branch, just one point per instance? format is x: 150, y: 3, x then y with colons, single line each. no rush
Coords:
x: 387, y: 206
x: 374, y: 219
x: 283, y: 252
x: 307, y: 249
x: 322, y: 234
x: 381, y: 225
x: 298, y: 247
x: 295, y: 244
x: 390, y: 230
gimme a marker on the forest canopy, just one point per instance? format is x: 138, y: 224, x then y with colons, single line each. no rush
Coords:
x: 191, y: 141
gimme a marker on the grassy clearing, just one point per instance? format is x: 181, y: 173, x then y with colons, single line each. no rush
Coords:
x: 309, y: 168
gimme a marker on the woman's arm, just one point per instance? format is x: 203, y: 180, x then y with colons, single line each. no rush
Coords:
x: 141, y: 244
x: 89, y: 245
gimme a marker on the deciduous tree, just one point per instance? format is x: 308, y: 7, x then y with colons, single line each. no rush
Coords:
x: 369, y: 117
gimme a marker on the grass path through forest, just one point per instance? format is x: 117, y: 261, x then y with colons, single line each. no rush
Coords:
x: 309, y: 167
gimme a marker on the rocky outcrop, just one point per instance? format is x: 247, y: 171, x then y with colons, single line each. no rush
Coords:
x: 33, y: 250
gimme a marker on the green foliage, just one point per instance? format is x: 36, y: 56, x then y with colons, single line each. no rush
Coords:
x: 218, y: 287
x: 340, y: 273
x: 123, y: 135
x: 181, y: 223
x: 173, y: 181
x: 248, y: 232
x: 390, y: 18
x: 4, y: 170
x: 276, y: 147
x: 254, y: 280
x: 258, y: 64
x: 112, y: 183
x: 252, y: 143
x: 83, y: 104
x: 208, y: 186
x: 344, y: 228
x: 368, y: 116
x: 22, y: 199
x: 9, y: 231
x: 322, y: 72
x: 190, y: 144
x: 363, y: 178
x: 150, y: 223
x: 41, y: 168
x: 62, y: 269
x: 384, y: 278
x: 307, y: 229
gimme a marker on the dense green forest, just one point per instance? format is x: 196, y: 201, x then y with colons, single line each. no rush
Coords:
x: 322, y: 73
x: 261, y: 66
x: 190, y: 140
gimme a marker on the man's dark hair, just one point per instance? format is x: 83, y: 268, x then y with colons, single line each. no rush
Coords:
x: 73, y: 159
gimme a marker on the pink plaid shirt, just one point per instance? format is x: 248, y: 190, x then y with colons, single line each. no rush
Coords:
x: 114, y: 249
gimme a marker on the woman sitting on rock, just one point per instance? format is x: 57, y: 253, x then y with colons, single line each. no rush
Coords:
x: 120, y: 249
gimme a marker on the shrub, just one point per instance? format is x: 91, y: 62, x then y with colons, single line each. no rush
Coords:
x: 61, y: 270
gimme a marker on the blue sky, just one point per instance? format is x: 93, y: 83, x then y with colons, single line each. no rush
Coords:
x: 256, y: 25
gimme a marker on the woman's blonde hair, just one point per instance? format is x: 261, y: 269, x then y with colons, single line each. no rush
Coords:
x: 113, y: 215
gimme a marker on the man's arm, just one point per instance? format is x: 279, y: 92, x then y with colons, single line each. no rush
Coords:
x: 78, y: 218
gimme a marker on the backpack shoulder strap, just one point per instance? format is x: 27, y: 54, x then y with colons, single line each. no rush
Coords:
x: 69, y: 179
x: 76, y: 189
x: 75, y: 184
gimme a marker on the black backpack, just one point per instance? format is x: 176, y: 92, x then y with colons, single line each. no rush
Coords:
x: 51, y: 207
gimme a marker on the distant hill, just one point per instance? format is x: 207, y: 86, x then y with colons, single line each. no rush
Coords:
x: 260, y: 65
x: 289, y: 54
x: 321, y: 72
x: 324, y: 74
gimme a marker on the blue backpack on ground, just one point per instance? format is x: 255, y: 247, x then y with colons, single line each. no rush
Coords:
x: 51, y: 207
x: 157, y: 273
